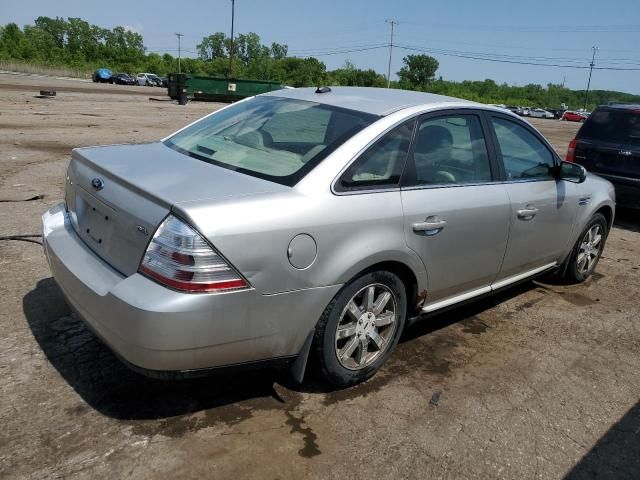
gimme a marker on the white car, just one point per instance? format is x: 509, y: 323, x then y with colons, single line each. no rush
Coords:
x: 147, y: 79
x: 540, y: 113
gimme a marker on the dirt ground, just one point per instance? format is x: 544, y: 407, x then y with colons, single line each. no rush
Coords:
x: 541, y: 381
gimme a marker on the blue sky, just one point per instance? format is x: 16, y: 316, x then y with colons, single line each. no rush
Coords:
x: 539, y: 31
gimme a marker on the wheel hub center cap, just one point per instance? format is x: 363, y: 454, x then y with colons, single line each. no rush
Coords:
x: 366, y: 323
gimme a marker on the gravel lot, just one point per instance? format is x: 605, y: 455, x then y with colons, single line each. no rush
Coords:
x: 542, y: 381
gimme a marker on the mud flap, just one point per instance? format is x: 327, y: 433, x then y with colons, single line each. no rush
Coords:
x: 299, y: 366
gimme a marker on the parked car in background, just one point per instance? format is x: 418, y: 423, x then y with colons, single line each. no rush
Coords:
x: 101, y: 75
x: 557, y: 112
x: 571, y: 116
x: 122, y: 79
x: 165, y: 82
x: 314, y: 222
x: 540, y: 113
x: 149, y: 79
x: 521, y: 111
x: 608, y: 144
x: 156, y: 81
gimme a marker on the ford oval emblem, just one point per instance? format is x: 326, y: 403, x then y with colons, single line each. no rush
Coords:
x: 97, y: 183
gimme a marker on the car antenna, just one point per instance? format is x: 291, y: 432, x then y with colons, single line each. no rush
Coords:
x: 323, y: 90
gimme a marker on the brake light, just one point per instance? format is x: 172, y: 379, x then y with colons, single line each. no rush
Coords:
x: 180, y: 258
x: 571, y: 151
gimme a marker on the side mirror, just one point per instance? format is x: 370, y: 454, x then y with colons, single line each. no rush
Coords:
x: 572, y: 172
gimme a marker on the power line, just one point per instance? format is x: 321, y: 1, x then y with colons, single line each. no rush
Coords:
x: 345, y: 48
x: 501, y: 56
x: 530, y: 29
x: 338, y: 52
x: 503, y: 60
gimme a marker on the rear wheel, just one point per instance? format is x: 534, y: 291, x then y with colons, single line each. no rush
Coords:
x: 587, y: 250
x: 360, y: 328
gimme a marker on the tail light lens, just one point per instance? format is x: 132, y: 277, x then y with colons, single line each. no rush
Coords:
x: 571, y: 151
x: 180, y: 258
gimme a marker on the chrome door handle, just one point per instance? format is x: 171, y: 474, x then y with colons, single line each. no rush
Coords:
x: 430, y: 225
x: 527, y: 213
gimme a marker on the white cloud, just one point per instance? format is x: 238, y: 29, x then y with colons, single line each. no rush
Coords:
x: 137, y: 28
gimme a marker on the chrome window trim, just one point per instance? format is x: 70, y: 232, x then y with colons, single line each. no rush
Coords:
x: 450, y: 185
x: 530, y: 180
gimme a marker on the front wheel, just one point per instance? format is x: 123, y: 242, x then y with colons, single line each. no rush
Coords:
x: 360, y: 328
x: 587, y: 250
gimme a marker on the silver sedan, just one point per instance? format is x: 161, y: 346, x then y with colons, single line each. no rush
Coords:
x: 312, y: 223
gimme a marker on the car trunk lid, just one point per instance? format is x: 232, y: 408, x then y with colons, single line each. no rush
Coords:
x: 117, y: 195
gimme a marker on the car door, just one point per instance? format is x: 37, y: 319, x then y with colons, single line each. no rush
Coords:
x: 456, y: 215
x: 543, y: 208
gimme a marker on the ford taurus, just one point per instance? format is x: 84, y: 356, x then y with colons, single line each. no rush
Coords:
x: 311, y: 223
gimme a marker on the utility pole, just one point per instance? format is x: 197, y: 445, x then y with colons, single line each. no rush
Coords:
x: 393, y: 23
x: 591, y: 65
x: 233, y: 8
x: 179, y: 35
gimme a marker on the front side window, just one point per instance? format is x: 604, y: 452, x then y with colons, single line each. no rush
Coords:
x: 278, y: 139
x: 450, y: 149
x: 381, y: 165
x: 524, y: 155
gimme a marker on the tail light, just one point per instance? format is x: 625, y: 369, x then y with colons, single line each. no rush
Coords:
x: 571, y: 151
x: 180, y: 258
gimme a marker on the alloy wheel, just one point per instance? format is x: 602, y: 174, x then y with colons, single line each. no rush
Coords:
x: 590, y: 248
x: 366, y: 327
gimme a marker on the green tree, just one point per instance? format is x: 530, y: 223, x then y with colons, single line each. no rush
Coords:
x: 418, y: 71
x: 212, y: 47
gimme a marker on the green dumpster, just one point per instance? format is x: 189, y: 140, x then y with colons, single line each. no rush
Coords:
x: 217, y: 89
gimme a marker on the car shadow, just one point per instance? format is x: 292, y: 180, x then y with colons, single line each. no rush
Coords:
x: 616, y: 455
x: 417, y: 327
x: 627, y: 218
x: 422, y: 325
x: 110, y: 387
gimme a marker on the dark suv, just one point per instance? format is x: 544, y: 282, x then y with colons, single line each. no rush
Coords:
x: 608, y: 144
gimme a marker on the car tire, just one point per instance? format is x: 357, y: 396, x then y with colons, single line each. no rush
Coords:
x: 360, y: 328
x: 587, y: 250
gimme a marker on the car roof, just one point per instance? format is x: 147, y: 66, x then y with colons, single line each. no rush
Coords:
x: 622, y: 106
x: 377, y: 101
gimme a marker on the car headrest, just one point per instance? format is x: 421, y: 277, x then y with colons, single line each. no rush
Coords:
x: 432, y: 138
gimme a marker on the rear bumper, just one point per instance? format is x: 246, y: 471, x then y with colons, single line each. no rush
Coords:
x: 157, y: 329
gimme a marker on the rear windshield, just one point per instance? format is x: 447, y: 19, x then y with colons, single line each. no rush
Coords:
x: 612, y: 125
x: 274, y: 138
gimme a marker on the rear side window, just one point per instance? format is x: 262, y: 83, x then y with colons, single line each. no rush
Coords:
x: 610, y: 125
x: 382, y: 164
x: 524, y: 155
x: 449, y: 150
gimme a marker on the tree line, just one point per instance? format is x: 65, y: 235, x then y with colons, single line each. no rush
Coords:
x: 75, y: 43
